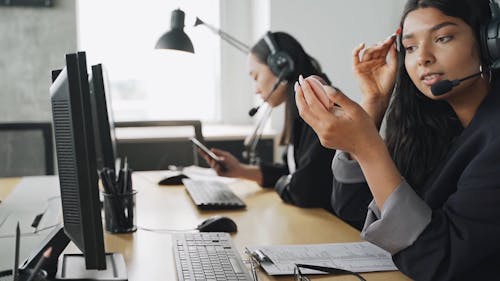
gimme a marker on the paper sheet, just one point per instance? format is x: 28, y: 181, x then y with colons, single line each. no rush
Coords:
x: 357, y: 257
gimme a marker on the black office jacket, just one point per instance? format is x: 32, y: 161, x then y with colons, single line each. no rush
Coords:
x: 462, y: 240
x: 350, y: 202
x: 311, y: 183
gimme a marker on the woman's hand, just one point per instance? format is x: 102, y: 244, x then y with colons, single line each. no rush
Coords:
x: 376, y: 74
x: 345, y: 126
x: 228, y: 166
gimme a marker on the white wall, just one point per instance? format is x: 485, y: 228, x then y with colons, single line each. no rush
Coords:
x: 328, y: 30
x: 236, y: 88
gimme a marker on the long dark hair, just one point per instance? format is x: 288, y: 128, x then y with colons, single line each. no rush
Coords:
x: 420, y: 130
x: 304, y: 64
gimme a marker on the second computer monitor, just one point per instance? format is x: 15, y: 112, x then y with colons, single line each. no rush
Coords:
x: 104, y: 131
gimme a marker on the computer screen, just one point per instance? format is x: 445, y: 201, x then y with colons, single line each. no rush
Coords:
x: 104, y: 130
x: 76, y: 160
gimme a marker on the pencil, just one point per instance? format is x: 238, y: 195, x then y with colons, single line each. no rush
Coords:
x: 39, y: 264
x: 15, y: 271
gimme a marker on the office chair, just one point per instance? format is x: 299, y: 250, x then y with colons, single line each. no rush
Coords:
x: 26, y: 149
x: 167, y: 150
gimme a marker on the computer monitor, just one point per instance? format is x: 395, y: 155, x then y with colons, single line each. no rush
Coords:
x: 76, y: 161
x: 104, y: 130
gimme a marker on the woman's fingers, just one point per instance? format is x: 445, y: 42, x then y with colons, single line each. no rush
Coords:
x: 317, y: 87
x: 343, y: 103
x: 304, y: 109
x: 319, y: 78
x: 356, y: 52
x: 220, y: 152
x: 377, y: 51
x: 311, y: 97
x: 393, y: 57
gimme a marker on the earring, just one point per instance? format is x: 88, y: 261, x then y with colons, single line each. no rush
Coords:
x: 482, y: 73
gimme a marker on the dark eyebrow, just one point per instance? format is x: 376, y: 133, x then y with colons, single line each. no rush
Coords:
x: 434, y: 28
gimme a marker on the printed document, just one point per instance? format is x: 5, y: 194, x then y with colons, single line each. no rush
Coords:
x: 357, y: 257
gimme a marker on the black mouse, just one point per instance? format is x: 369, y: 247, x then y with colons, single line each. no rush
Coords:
x: 173, y: 180
x: 218, y: 224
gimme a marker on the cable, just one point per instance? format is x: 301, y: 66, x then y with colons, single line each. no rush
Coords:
x: 36, y: 229
x: 165, y: 230
x: 34, y: 233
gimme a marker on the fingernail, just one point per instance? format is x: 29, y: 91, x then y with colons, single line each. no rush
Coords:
x: 301, y: 80
x: 398, y: 32
x: 296, y: 86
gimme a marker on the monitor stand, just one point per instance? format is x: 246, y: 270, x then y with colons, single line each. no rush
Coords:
x: 72, y: 266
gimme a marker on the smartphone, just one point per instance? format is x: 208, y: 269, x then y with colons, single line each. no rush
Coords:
x: 205, y: 149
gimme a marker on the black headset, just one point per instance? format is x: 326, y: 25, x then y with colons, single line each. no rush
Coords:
x: 280, y: 62
x: 490, y: 37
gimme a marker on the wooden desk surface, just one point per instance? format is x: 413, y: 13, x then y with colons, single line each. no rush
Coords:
x: 6, y: 186
x: 267, y: 220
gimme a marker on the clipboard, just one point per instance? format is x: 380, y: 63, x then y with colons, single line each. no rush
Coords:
x: 357, y: 257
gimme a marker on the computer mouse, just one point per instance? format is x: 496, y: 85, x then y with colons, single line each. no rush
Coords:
x: 218, y: 224
x: 173, y: 180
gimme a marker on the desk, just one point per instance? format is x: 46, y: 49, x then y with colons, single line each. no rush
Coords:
x: 149, y: 255
x: 6, y: 186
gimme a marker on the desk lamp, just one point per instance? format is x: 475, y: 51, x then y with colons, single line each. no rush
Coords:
x: 177, y: 39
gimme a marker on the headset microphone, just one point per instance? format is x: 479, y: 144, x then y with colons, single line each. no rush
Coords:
x: 280, y: 78
x: 443, y: 87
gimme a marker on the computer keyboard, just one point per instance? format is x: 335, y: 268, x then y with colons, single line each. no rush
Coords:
x: 212, y: 195
x: 207, y: 256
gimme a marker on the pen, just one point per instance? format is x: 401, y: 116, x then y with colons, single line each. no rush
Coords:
x: 113, y: 180
x: 124, y: 186
x: 105, y: 182
x: 252, y: 264
x: 261, y: 256
x: 119, y: 182
x: 15, y: 270
x: 39, y: 264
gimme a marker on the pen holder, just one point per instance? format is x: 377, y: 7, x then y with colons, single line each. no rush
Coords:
x: 119, y: 212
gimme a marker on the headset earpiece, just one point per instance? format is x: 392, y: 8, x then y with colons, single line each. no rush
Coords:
x: 278, y: 61
x: 490, y: 37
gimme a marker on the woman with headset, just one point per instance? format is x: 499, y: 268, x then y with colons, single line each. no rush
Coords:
x: 306, y: 179
x: 435, y: 178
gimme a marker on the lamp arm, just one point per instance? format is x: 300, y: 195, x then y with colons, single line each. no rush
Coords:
x: 225, y: 36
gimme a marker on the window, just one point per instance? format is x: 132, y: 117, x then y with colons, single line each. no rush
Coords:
x: 148, y: 84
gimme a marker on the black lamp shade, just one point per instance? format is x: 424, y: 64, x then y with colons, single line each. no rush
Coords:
x: 176, y: 38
